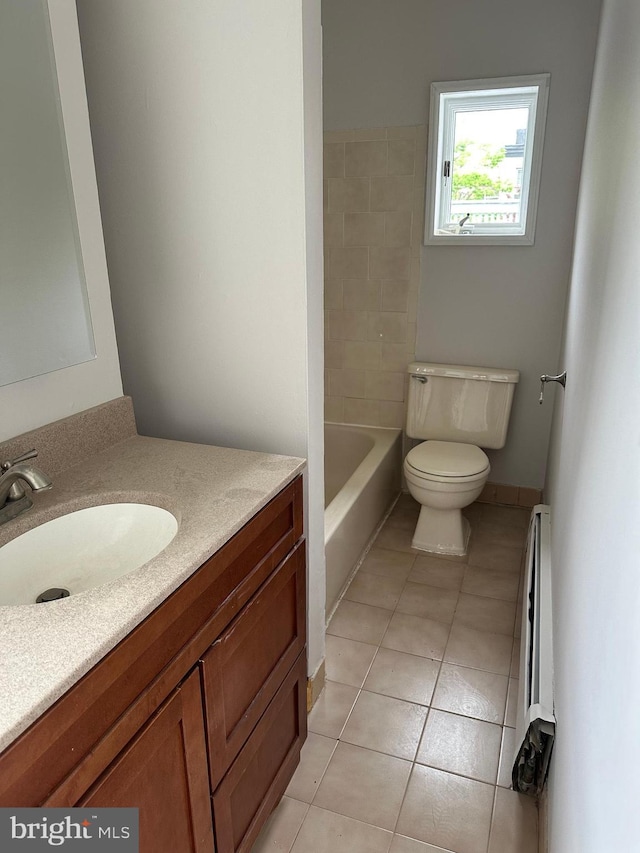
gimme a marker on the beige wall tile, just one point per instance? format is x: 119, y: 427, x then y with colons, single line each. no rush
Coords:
x: 335, y: 325
x: 395, y: 296
x: 411, y: 337
x: 412, y: 305
x: 393, y: 357
x: 361, y: 355
x: 370, y: 133
x: 334, y: 229
x: 391, y: 414
x: 333, y: 294
x: 389, y: 262
x: 339, y: 136
x: 402, y: 155
x: 365, y: 158
x: 362, y: 412
x: 528, y: 497
x: 384, y: 386
x: 350, y: 263
x: 390, y: 327
x: 334, y: 354
x: 403, y: 132
x: 333, y: 160
x: 355, y: 325
x: 362, y: 294
x: 394, y: 193
x: 346, y: 383
x: 334, y: 409
x: 364, y: 229
x: 325, y: 195
x: 397, y: 230
x: 348, y: 194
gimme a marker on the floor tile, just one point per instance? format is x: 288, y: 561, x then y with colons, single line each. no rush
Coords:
x: 510, y: 516
x: 279, y: 832
x: 327, y: 832
x: 461, y: 745
x: 385, y: 725
x: 332, y: 708
x: 404, y: 516
x: 471, y: 692
x: 402, y: 844
x: 514, y: 828
x: 348, y: 661
x: 485, y: 614
x: 479, y: 649
x: 511, y: 712
x: 375, y: 590
x: 429, y: 602
x: 494, y: 583
x: 359, y: 622
x: 364, y: 785
x: 493, y: 555
x: 388, y: 564
x: 446, y: 810
x: 503, y: 534
x: 507, y: 750
x: 314, y: 758
x: 514, y: 671
x: 402, y: 676
x: 416, y: 636
x: 396, y: 539
x: 435, y: 571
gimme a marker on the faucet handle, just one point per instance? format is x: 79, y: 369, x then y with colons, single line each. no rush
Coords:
x: 29, y: 454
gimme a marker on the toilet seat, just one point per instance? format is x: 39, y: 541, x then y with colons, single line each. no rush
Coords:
x: 447, y: 461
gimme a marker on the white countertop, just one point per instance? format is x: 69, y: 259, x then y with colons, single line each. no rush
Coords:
x: 212, y: 491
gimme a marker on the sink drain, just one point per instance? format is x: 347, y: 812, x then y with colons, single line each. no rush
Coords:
x: 52, y: 594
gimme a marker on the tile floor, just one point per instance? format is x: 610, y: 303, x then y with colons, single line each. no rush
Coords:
x: 410, y: 742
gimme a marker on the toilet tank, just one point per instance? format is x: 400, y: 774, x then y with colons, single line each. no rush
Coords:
x: 450, y: 402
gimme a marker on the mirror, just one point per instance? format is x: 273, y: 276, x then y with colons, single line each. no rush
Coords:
x: 45, y: 324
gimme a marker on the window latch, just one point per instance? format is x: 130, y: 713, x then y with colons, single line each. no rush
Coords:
x: 446, y: 169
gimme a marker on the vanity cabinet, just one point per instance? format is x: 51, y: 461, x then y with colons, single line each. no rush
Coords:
x: 197, y: 717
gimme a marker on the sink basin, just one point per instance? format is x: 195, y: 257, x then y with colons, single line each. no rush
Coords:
x: 83, y: 550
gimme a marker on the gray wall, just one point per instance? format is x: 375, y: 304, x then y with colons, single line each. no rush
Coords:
x: 211, y: 207
x: 496, y: 306
x: 595, y: 475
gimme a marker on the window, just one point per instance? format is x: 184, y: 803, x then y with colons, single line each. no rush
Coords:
x: 485, y: 156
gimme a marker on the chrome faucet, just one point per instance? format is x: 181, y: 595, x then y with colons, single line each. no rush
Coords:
x: 13, y: 498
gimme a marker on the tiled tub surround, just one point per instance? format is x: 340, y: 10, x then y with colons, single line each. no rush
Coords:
x: 374, y: 215
x: 212, y: 491
x: 410, y: 744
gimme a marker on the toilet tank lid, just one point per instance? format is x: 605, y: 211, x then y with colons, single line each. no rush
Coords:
x: 462, y: 371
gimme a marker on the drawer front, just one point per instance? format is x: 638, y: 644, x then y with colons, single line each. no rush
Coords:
x: 259, y: 776
x: 243, y: 669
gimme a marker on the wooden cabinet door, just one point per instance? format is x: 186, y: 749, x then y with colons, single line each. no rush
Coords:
x: 244, y: 668
x: 163, y: 772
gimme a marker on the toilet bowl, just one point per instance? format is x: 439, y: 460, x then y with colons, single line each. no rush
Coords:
x: 444, y: 477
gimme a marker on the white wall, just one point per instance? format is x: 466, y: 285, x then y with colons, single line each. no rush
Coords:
x: 33, y: 402
x: 594, y: 483
x: 199, y: 125
x: 496, y: 306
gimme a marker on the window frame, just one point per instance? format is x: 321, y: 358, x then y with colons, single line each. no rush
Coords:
x: 483, y: 94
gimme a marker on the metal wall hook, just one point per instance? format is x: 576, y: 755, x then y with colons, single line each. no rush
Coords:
x: 546, y: 377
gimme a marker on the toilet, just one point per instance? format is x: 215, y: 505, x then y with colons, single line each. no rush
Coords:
x: 455, y: 410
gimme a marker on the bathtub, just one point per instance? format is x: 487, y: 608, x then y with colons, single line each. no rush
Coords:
x: 362, y: 480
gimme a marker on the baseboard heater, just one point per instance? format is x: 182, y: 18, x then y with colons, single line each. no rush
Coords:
x: 536, y: 723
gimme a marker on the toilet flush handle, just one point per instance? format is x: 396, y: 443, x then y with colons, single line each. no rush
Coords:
x: 561, y: 378
x: 421, y: 379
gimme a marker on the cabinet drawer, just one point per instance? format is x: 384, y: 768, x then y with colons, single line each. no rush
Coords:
x: 163, y: 772
x: 245, y: 666
x: 260, y: 774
